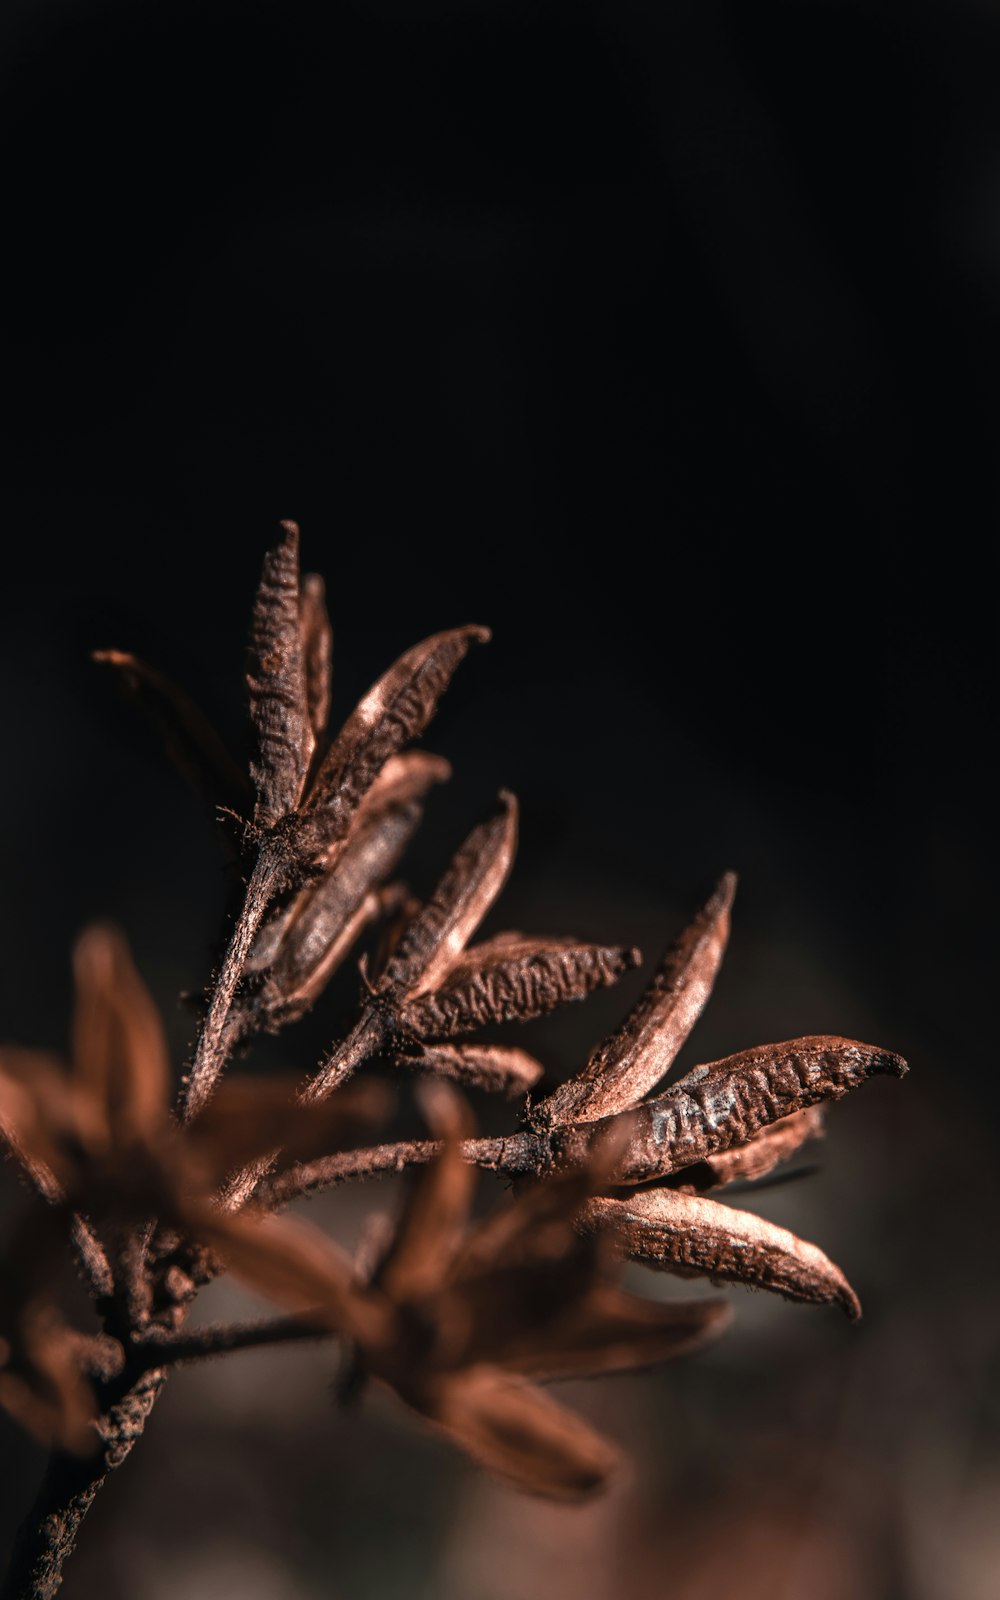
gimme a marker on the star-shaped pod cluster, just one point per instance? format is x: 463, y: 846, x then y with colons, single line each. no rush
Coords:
x: 461, y: 1319
x: 734, y: 1118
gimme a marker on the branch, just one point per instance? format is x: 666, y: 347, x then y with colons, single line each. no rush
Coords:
x: 513, y: 1156
x: 365, y: 1039
x: 222, y: 1337
x: 48, y: 1535
x: 216, y: 1037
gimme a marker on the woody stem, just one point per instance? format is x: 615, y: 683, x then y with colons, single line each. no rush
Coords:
x: 48, y: 1535
x: 221, y: 1338
x: 215, y: 1038
x: 519, y: 1154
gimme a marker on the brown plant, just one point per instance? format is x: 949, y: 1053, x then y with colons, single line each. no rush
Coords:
x: 460, y: 1320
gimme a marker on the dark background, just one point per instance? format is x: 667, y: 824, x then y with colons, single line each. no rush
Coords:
x: 663, y: 338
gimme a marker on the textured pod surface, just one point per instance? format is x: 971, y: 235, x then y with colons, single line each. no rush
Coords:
x: 436, y: 937
x: 771, y: 1146
x: 276, y: 679
x: 726, y: 1103
x: 334, y: 913
x: 631, y: 1061
x: 504, y: 988
x: 396, y: 710
x: 692, y: 1236
x: 391, y: 807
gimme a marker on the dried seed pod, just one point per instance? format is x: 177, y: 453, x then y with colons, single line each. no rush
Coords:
x: 435, y: 939
x: 628, y: 1064
x: 317, y: 649
x: 276, y: 679
x: 303, y: 943
x: 727, y: 1102
x: 191, y: 742
x: 438, y: 1207
x: 394, y: 712
x: 771, y: 1146
x: 496, y: 1068
x: 696, y: 1237
x: 519, y: 1433
x: 502, y: 988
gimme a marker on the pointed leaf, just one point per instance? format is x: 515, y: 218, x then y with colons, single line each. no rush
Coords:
x: 438, y: 1204
x: 276, y: 679
x: 119, y: 1049
x: 191, y: 742
x: 771, y: 1146
x: 696, y: 1237
x: 394, y: 712
x: 628, y: 1064
x: 521, y: 1434
x: 436, y: 938
x: 504, y: 988
x: 726, y: 1103
x: 496, y: 1068
x: 317, y: 643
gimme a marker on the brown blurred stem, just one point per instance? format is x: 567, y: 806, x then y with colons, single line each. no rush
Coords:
x: 221, y: 1338
x: 48, y: 1535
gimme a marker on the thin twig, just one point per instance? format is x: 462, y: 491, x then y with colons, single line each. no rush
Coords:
x: 365, y: 1040
x: 517, y: 1154
x: 216, y: 1038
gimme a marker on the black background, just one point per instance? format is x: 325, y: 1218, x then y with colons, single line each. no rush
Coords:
x: 663, y: 339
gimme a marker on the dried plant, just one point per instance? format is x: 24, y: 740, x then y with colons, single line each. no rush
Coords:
x: 460, y: 1320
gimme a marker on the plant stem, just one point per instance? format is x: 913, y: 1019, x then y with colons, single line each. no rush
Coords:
x: 215, y: 1037
x: 221, y: 1338
x: 516, y: 1155
x: 48, y: 1535
x: 365, y: 1039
